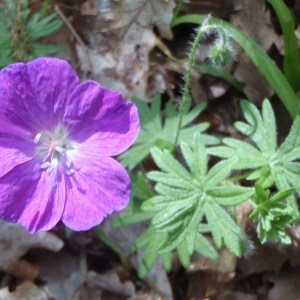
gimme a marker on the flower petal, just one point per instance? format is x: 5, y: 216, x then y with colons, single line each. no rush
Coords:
x: 96, y: 189
x: 101, y: 117
x: 10, y: 157
x: 33, y: 95
x: 32, y: 197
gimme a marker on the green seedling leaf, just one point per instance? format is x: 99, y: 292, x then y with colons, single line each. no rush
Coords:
x: 192, y: 201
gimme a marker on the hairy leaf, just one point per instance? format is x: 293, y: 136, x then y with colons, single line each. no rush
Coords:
x: 156, y: 133
x: 192, y: 201
x: 268, y: 164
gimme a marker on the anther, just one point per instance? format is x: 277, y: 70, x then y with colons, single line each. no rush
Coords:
x: 37, y: 138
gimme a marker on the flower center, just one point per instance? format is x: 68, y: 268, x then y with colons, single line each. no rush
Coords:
x: 55, y: 149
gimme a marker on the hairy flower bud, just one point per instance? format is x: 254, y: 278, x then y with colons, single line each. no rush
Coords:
x: 221, y: 56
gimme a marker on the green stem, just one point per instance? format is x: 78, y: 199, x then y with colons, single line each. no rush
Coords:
x: 185, y: 95
x: 110, y: 243
x: 261, y: 60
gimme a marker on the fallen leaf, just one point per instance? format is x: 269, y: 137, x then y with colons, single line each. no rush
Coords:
x: 262, y: 31
x: 27, y: 290
x: 254, y: 19
x: 229, y: 295
x: 60, y: 272
x: 124, y: 237
x: 15, y: 242
x: 286, y: 285
x: 119, y: 37
x: 110, y: 281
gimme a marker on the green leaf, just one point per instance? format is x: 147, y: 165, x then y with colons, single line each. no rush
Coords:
x: 150, y: 256
x: 19, y: 29
x: 230, y: 194
x: 219, y: 172
x: 155, y: 133
x: 184, y: 254
x: 45, y: 49
x: 167, y: 261
x: 37, y: 27
x: 190, y: 196
x: 268, y: 163
x: 204, y: 247
x: 223, y: 228
x: 272, y: 214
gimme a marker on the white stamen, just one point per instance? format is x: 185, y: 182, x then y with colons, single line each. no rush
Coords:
x: 70, y: 172
x: 60, y: 150
x: 45, y: 165
x: 50, y: 166
x: 37, y: 138
x: 68, y: 163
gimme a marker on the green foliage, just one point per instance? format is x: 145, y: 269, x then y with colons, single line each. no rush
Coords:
x: 272, y: 215
x: 20, y: 31
x: 193, y: 207
x: 155, y: 133
x: 191, y: 202
x: 268, y: 164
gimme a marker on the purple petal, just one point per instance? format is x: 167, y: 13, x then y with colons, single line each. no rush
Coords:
x: 98, y: 187
x: 33, y: 95
x: 11, y: 157
x: 32, y: 197
x: 16, y: 147
x: 102, y: 118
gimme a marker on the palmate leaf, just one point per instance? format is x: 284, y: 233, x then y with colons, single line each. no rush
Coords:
x: 272, y: 215
x: 268, y: 164
x: 192, y: 201
x: 155, y: 133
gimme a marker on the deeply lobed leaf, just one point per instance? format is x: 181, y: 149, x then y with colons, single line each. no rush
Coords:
x: 190, y: 196
x: 155, y: 133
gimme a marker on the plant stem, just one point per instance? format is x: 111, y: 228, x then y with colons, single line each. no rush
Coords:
x: 202, y: 30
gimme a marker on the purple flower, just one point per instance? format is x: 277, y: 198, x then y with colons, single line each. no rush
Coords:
x: 57, y: 136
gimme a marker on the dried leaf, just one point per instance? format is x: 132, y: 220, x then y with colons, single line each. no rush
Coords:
x: 110, y: 281
x: 286, y: 285
x: 253, y: 19
x: 27, y: 290
x: 60, y: 271
x: 119, y: 37
x: 228, y: 295
x: 15, y: 241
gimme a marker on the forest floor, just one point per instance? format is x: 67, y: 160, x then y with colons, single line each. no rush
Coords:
x: 130, y: 46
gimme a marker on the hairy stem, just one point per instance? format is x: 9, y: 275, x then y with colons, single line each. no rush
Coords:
x: 204, y: 29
